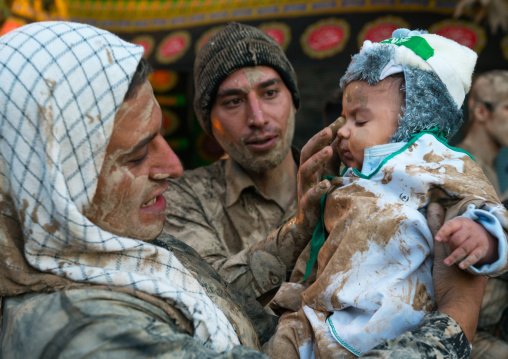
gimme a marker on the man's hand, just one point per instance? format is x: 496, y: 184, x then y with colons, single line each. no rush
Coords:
x: 458, y: 293
x: 318, y: 158
x: 469, y: 242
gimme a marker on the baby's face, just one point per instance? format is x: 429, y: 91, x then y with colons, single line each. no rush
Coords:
x: 372, y: 115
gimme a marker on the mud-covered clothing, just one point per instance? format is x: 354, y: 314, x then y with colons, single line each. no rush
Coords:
x: 219, y: 212
x: 63, y: 84
x: 374, y: 269
x: 105, y: 323
x: 82, y: 323
x: 243, y: 311
x: 436, y: 336
x: 487, y: 168
x: 491, y: 339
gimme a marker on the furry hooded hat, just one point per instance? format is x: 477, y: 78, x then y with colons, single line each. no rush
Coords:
x: 437, y: 73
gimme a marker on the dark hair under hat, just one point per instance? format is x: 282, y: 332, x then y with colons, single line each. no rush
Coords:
x: 233, y: 47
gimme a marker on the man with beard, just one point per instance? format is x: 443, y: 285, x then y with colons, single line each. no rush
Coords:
x: 246, y: 98
x: 83, y: 168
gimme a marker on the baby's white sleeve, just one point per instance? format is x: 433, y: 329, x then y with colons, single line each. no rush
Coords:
x: 490, y: 219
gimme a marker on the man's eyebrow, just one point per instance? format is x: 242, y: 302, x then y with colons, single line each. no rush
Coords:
x: 229, y: 92
x: 269, y: 82
x: 143, y: 143
x: 237, y: 91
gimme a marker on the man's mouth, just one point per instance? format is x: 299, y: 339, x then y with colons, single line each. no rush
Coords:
x: 259, y: 140
x: 157, y: 203
x: 150, y: 202
x: 262, y: 143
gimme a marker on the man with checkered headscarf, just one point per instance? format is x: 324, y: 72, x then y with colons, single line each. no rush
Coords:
x: 83, y: 171
x: 82, y: 168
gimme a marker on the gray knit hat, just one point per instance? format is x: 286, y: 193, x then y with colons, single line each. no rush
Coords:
x: 233, y: 47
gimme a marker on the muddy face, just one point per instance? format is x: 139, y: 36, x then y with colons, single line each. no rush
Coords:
x: 497, y: 123
x: 128, y: 201
x: 372, y: 115
x: 253, y: 118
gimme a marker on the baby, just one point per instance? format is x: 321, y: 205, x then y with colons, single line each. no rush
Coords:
x: 366, y: 275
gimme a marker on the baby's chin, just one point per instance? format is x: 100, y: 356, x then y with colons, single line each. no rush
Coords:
x: 347, y: 162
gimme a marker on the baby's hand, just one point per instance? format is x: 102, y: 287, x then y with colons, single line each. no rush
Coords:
x: 469, y: 242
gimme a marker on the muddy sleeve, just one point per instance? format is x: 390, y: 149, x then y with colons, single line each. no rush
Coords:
x: 254, y: 271
x: 186, y: 220
x: 260, y: 270
x: 437, y: 336
x: 98, y: 324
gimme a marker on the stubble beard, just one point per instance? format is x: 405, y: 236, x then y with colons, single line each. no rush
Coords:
x: 259, y: 163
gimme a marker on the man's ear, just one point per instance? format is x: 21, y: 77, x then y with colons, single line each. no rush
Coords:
x: 481, y: 112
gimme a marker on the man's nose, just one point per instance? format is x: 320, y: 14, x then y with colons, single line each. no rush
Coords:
x: 166, y: 163
x: 256, y: 117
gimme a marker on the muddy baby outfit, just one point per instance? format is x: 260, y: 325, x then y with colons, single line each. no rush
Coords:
x: 372, y: 279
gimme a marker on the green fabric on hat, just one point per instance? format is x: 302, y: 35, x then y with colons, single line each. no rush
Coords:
x: 417, y: 44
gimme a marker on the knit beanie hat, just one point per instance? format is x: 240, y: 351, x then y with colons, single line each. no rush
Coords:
x: 233, y: 47
x: 437, y: 73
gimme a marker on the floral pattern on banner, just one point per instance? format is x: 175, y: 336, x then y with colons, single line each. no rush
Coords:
x: 148, y: 43
x: 173, y: 47
x: 129, y: 15
x: 325, y: 38
x: 280, y: 32
x: 381, y: 29
x: 463, y: 32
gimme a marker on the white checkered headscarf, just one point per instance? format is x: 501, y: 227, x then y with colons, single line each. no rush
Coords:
x: 61, y: 86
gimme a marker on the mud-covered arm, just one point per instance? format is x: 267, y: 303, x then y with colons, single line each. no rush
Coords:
x: 100, y: 324
x: 318, y: 158
x: 251, y: 271
x: 468, y: 193
x: 262, y: 267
